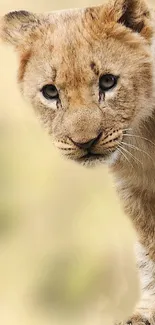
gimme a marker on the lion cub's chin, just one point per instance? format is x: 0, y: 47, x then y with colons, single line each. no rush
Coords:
x: 92, y: 160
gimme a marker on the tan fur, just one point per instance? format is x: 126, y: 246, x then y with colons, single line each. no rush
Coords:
x: 25, y: 57
x: 72, y: 49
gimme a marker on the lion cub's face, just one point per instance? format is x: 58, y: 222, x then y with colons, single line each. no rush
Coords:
x: 87, y: 73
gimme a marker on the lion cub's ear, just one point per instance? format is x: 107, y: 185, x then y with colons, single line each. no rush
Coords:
x: 16, y: 26
x: 134, y: 14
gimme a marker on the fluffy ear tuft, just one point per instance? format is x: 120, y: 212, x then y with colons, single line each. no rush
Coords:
x: 16, y: 25
x: 134, y: 14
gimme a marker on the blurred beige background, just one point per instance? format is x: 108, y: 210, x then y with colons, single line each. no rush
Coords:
x: 50, y: 207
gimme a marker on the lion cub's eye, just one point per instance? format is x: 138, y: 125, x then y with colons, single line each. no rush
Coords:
x: 107, y: 82
x: 50, y: 92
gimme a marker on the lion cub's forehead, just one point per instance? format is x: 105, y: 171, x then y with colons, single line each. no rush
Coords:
x: 71, y: 46
x: 66, y: 47
x: 69, y: 29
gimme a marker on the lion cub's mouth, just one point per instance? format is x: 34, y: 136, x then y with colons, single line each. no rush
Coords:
x: 109, y: 145
x: 90, y: 156
x: 100, y: 151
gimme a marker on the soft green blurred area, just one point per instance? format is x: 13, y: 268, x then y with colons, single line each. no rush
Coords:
x: 65, y: 244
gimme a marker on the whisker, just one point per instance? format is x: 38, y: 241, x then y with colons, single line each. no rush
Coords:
x: 111, y: 134
x: 122, y: 153
x: 64, y: 145
x: 127, y: 129
x: 133, y: 157
x: 138, y: 149
x: 138, y: 136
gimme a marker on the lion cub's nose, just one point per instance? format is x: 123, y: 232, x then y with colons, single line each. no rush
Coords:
x: 87, y: 145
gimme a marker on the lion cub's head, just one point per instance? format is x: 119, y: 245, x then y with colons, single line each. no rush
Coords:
x: 87, y: 72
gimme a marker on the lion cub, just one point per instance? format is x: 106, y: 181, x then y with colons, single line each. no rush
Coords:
x: 89, y: 73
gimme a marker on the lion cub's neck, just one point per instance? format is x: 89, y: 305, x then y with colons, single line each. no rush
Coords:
x: 136, y: 166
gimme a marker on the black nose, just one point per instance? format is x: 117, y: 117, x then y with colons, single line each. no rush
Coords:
x: 87, y: 145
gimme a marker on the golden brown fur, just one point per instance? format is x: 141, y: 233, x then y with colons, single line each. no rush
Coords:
x: 72, y: 50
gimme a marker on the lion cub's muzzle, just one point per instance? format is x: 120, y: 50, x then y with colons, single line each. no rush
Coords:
x: 98, y: 148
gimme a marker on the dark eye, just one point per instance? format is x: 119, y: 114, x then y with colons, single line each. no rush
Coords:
x: 107, y: 82
x: 50, y: 92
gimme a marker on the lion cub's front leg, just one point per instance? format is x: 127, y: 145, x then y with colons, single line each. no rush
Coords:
x: 145, y: 311
x: 139, y: 206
